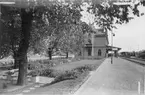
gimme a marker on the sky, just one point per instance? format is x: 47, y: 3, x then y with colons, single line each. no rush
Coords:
x: 130, y: 36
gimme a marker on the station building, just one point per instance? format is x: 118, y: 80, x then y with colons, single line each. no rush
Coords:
x: 97, y: 45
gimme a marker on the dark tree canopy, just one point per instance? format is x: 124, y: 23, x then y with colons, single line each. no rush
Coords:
x: 107, y: 15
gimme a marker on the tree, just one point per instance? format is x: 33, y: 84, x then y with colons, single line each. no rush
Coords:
x: 14, y: 29
x: 70, y: 39
x: 108, y: 14
x: 11, y: 32
x: 56, y: 19
x: 142, y: 54
x: 73, y: 39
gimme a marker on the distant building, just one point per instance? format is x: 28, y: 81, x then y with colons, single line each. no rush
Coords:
x: 97, y: 45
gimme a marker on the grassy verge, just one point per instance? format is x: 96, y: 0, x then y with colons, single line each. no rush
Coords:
x: 68, y: 77
x: 68, y: 81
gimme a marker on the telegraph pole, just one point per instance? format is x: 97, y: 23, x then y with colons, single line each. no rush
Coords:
x: 112, y: 46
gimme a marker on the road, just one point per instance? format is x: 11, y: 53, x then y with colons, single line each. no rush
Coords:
x: 120, y: 78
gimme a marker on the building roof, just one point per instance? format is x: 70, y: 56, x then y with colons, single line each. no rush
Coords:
x: 100, y: 33
x: 113, y: 48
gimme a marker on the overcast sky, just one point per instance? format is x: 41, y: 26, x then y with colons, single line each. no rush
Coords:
x: 130, y: 36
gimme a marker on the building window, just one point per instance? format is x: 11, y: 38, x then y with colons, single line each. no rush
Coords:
x: 99, y: 52
x: 89, y: 51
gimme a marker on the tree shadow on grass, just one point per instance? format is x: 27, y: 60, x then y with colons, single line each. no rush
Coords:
x: 57, y: 81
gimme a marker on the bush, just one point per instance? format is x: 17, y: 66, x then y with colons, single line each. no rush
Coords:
x: 75, y: 73
x: 33, y: 65
x: 41, y: 72
x: 34, y: 73
x: 142, y: 55
x: 47, y: 73
x: 62, y: 75
x: 66, y: 75
x: 5, y: 85
x: 85, y: 68
x: 39, y: 64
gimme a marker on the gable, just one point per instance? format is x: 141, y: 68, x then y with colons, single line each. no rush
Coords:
x: 100, y: 41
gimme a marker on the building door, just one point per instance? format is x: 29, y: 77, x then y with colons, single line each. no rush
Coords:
x: 89, y: 51
x: 99, y: 52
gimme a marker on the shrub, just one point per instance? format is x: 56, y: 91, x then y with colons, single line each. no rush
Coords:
x: 66, y: 75
x: 75, y: 73
x: 62, y: 75
x: 142, y: 55
x: 85, y: 68
x: 47, y: 73
x: 5, y: 85
x: 42, y: 72
x: 33, y: 65
x: 34, y: 73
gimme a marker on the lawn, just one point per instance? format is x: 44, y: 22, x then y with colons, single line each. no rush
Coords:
x: 67, y: 86
x: 69, y: 77
x: 73, y: 65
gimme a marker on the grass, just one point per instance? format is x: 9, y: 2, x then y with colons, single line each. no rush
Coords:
x: 69, y: 79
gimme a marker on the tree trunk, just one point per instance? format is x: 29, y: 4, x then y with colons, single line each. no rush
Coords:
x: 67, y: 55
x: 26, y: 17
x: 50, y: 53
x: 16, y: 63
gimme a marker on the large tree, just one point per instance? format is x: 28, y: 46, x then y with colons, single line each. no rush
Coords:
x: 56, y: 19
x: 53, y: 19
x: 73, y: 39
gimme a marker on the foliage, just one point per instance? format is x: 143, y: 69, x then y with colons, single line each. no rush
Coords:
x: 66, y: 76
x: 51, y: 23
x: 61, y: 75
x: 73, y: 39
x: 42, y: 67
x: 41, y: 72
x: 36, y: 65
x: 72, y: 74
x: 11, y: 30
x: 107, y: 14
x: 86, y: 28
x: 127, y: 54
x: 43, y: 64
x: 142, y: 54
